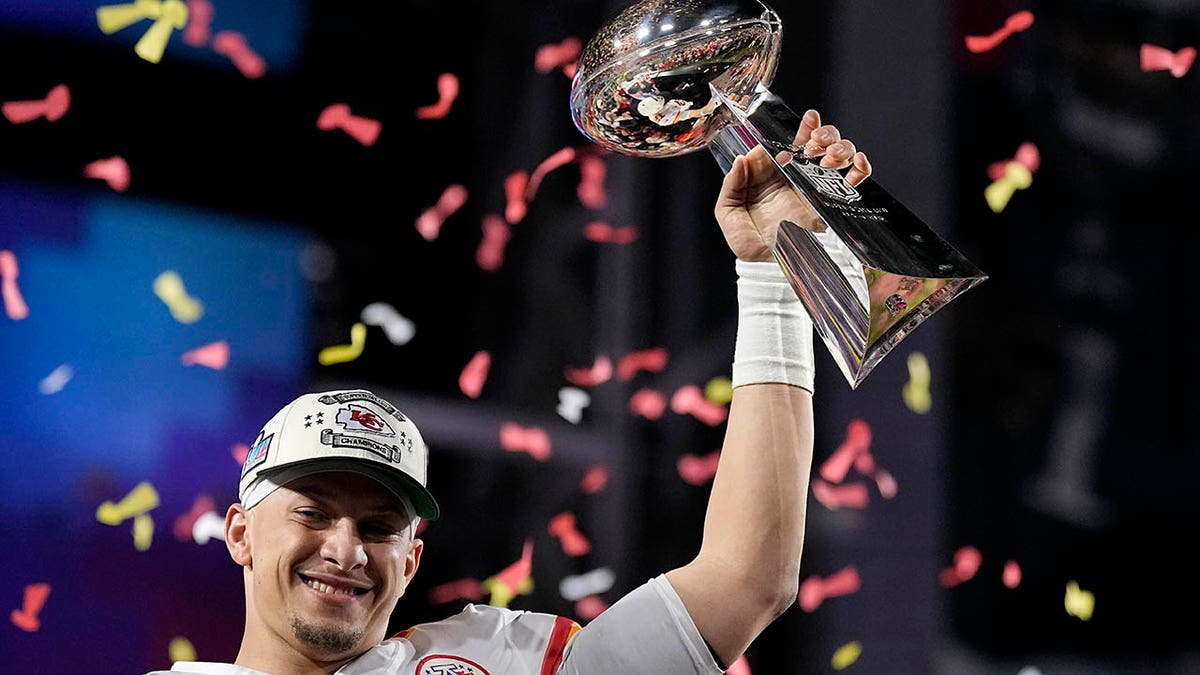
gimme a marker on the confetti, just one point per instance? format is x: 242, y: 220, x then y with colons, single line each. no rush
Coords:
x: 966, y: 563
x: 169, y: 288
x: 815, y: 590
x: 560, y: 56
x: 533, y: 440
x: 515, y: 207
x: 429, y: 223
x: 239, y: 452
x: 698, y: 470
x: 398, y: 329
x: 916, y: 390
x: 474, y: 374
x: 14, y: 302
x: 232, y: 45
x: 208, y: 526
x: 1178, y: 63
x: 447, y: 88
x: 574, y: 587
x: 1078, y: 602
x: 559, y: 159
x: 56, y: 380
x: 739, y: 667
x: 143, y: 531
x: 600, y: 372
x: 1027, y: 155
x: 213, y: 355
x: 512, y: 580
x: 858, y: 442
x: 594, y: 480
x: 603, y: 233
x: 590, y: 607
x: 53, y: 107
x: 687, y: 400
x: 1016, y: 177
x: 719, y: 390
x: 26, y: 618
x: 496, y: 233
x: 846, y: 655
x: 1014, y: 24
x: 338, y: 116
x: 591, y: 191
x: 571, y: 402
x: 195, y: 33
x: 168, y: 15
x: 1011, y: 577
x: 113, y: 170
x: 141, y: 499
x: 344, y: 353
x: 186, y: 521
x: 647, y: 403
x: 652, y: 360
x: 460, y: 589
x: 573, y: 543
x: 181, y: 649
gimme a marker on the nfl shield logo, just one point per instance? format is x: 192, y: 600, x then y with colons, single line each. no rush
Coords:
x: 829, y: 182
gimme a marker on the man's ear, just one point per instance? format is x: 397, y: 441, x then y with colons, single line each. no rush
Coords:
x: 413, y: 560
x: 235, y: 535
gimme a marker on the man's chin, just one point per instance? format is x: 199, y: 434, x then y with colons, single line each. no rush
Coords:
x: 329, y: 639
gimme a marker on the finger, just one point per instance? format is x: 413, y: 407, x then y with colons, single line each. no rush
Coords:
x: 809, y: 122
x: 822, y: 137
x: 733, y: 188
x: 839, y: 154
x: 860, y: 169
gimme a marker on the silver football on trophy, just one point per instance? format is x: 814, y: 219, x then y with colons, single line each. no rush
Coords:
x: 642, y: 85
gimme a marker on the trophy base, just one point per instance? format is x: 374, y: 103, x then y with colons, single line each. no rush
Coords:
x: 866, y: 268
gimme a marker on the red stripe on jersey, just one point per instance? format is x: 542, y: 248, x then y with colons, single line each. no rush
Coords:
x: 404, y: 633
x: 564, y: 628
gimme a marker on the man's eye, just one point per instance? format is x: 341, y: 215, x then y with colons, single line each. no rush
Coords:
x: 379, y: 530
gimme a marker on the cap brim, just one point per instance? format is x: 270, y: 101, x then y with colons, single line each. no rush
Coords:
x: 399, y: 484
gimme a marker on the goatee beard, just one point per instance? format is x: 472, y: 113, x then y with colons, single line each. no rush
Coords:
x: 327, y: 639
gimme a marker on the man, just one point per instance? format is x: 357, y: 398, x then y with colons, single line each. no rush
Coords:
x: 333, y: 487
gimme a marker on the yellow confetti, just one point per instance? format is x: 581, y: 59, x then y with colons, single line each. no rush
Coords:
x: 916, y: 390
x: 1016, y: 177
x: 1079, y: 603
x: 344, y: 353
x: 719, y: 390
x: 181, y: 650
x: 141, y: 499
x: 169, y: 288
x: 143, y: 532
x: 846, y: 655
x: 168, y: 15
x: 500, y: 593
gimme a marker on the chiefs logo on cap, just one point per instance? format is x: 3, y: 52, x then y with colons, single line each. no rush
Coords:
x: 361, y: 418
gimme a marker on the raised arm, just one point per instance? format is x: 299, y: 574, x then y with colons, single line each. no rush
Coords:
x: 747, y: 571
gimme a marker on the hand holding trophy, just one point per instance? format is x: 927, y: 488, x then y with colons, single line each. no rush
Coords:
x: 669, y: 77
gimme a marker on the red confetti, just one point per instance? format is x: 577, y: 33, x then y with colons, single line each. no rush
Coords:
x: 184, y: 523
x: 1027, y: 156
x: 852, y: 495
x: 471, y: 380
x: 561, y: 56
x: 532, y: 440
x: 814, y: 590
x: 698, y: 470
x: 600, y: 372
x: 447, y: 88
x: 26, y: 618
x: 514, y: 191
x: 594, y: 480
x: 590, y: 607
x: 1011, y: 577
x: 200, y: 14
x: 886, y: 483
x: 739, y: 667
x: 232, y: 45
x: 966, y: 563
x: 558, y: 159
x: 689, y: 400
x: 1014, y: 24
x: 652, y: 360
x: 462, y: 589
x: 573, y: 543
x: 592, y: 172
x: 430, y: 222
x: 1160, y: 58
x: 214, y: 355
x: 114, y: 171
x: 496, y: 233
x: 239, y: 452
x: 14, y: 302
x: 338, y: 116
x: 858, y: 441
x: 601, y: 232
x: 514, y: 574
x: 648, y: 403
x: 53, y: 107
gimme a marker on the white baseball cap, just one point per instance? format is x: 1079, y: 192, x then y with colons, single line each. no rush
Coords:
x: 346, y: 430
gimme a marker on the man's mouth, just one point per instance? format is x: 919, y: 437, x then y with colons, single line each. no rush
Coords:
x: 331, y: 589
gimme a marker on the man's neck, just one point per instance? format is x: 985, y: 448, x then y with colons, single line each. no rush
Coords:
x: 277, y: 656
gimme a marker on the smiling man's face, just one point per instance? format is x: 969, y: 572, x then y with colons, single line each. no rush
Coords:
x: 327, y: 557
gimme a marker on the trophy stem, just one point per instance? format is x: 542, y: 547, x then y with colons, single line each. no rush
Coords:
x: 865, y: 267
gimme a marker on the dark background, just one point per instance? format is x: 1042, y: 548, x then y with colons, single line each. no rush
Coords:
x: 1061, y: 433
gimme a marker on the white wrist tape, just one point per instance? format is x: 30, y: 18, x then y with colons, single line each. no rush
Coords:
x: 775, y: 335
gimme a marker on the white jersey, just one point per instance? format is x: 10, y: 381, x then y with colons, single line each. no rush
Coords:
x: 647, y: 631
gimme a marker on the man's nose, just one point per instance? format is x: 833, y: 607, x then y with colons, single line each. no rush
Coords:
x: 343, y: 546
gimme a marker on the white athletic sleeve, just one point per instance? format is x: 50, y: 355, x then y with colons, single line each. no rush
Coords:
x: 648, y: 631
